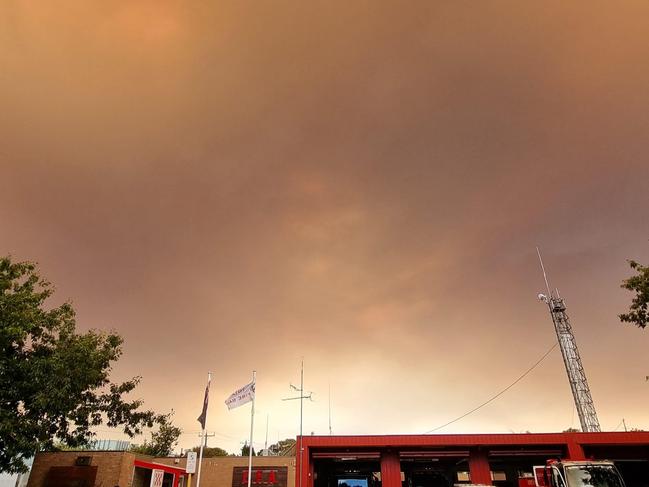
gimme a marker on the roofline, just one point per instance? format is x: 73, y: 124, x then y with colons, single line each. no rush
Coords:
x: 599, y: 438
x: 161, y: 466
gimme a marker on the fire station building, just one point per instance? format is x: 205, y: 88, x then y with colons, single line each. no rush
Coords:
x: 502, y: 460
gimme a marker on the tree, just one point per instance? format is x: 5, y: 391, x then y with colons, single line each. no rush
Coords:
x: 211, y: 451
x: 245, y: 450
x: 54, y: 381
x: 162, y: 441
x: 638, y: 314
x: 282, y: 447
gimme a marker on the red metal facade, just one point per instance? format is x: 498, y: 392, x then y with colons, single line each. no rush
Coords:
x: 479, y: 467
x: 478, y: 446
x: 176, y: 472
x: 390, y: 468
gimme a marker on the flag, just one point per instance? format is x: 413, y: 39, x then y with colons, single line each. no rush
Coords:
x: 203, y: 417
x: 241, y: 396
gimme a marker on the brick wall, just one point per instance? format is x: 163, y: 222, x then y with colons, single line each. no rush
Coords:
x: 113, y: 468
x: 217, y: 471
x: 116, y: 468
x: 126, y: 469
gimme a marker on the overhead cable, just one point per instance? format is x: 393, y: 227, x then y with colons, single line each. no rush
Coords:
x: 500, y: 393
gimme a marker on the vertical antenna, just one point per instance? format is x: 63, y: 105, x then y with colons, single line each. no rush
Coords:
x: 301, y: 410
x: 301, y: 397
x: 266, y: 442
x: 545, y: 277
x: 329, y: 409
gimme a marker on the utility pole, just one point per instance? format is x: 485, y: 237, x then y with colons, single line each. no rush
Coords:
x: 203, y: 420
x: 206, y: 436
x: 203, y: 436
x: 571, y: 357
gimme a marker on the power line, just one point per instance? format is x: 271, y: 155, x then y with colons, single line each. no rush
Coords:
x: 191, y: 432
x: 500, y: 393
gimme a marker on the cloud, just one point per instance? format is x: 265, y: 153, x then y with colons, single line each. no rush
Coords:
x: 361, y: 185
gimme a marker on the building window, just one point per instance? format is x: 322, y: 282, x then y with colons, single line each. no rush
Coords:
x: 464, y: 477
x: 498, y: 476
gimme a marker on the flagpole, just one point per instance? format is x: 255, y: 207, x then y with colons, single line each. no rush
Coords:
x: 203, y: 436
x: 301, y: 410
x: 252, y: 425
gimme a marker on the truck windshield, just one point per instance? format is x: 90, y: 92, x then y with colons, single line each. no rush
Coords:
x: 593, y: 476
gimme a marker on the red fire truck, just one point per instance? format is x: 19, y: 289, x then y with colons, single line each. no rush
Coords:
x: 585, y: 473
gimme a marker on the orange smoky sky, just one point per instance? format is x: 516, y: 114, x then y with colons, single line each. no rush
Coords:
x: 237, y: 185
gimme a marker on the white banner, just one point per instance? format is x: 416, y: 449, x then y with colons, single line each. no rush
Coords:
x: 157, y: 476
x: 241, y: 396
x: 190, y: 466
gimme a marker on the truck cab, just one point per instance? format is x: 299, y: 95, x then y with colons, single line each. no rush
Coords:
x: 566, y: 473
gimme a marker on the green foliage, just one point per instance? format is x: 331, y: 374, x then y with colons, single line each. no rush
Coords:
x: 571, y: 430
x: 638, y: 284
x: 162, y: 441
x: 62, y: 447
x: 211, y: 451
x: 282, y: 447
x: 54, y: 382
x: 245, y: 450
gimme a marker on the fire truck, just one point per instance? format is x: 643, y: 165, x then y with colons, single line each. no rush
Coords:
x: 584, y: 473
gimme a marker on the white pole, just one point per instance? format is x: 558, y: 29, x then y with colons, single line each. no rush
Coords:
x: 252, y: 425
x: 204, y: 436
x: 301, y: 410
x: 547, y: 285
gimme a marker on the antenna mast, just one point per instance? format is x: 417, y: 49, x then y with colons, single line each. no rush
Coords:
x: 303, y: 395
x: 330, y: 409
x: 571, y: 358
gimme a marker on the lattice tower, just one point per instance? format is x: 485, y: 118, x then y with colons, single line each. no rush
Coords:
x: 574, y: 367
x: 571, y: 358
